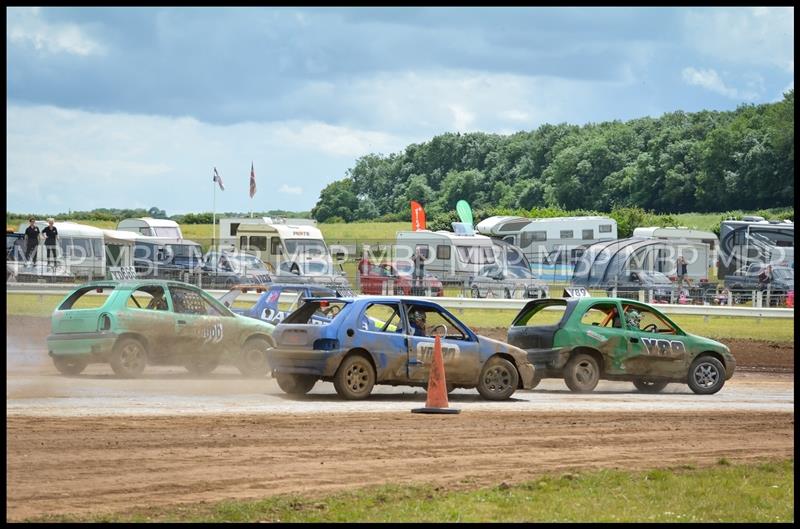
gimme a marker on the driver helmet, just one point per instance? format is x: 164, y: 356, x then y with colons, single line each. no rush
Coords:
x: 634, y: 318
x: 418, y: 316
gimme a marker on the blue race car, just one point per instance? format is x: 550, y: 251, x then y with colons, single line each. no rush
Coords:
x: 276, y: 301
x: 389, y: 340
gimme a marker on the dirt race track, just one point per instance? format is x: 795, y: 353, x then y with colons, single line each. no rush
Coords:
x: 96, y: 444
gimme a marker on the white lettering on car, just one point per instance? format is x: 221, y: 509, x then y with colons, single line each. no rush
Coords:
x: 664, y: 348
x: 212, y: 333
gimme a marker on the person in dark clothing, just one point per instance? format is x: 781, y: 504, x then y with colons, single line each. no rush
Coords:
x: 419, y: 273
x: 417, y: 320
x: 51, y: 234
x: 31, y: 241
x: 765, y: 278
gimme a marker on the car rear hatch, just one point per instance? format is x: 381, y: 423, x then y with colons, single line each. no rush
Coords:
x: 535, y: 327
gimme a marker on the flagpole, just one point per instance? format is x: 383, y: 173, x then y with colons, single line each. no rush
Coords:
x: 213, y: 212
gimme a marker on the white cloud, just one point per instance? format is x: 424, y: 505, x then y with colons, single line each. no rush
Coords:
x: 292, y: 190
x: 754, y: 36
x: 710, y: 80
x: 25, y: 27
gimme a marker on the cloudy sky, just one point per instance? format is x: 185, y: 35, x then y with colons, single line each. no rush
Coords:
x: 133, y: 107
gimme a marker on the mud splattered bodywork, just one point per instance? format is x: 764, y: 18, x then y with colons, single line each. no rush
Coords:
x: 629, y: 340
x: 155, y: 322
x: 382, y: 329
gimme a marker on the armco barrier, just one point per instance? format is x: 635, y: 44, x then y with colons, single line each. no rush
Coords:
x: 468, y: 303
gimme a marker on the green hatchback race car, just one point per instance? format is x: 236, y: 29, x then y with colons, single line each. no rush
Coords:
x: 132, y: 324
x: 587, y: 339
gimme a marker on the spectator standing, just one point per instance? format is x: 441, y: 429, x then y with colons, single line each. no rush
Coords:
x: 682, y: 270
x: 31, y: 240
x: 51, y: 235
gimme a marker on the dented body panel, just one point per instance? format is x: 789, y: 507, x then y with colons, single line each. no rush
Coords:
x: 658, y: 352
x: 400, y: 357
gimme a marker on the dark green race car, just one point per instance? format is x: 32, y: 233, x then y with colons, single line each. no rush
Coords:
x: 585, y: 339
x: 131, y: 324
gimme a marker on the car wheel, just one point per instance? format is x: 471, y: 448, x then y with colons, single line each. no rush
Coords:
x: 295, y: 384
x: 129, y: 358
x: 649, y: 386
x: 706, y: 375
x: 499, y: 379
x: 202, y: 366
x: 355, y: 378
x: 252, y: 361
x: 507, y: 293
x: 70, y: 365
x: 581, y: 373
x: 476, y: 292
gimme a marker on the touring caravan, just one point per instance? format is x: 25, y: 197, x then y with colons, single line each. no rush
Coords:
x: 683, y: 234
x: 539, y: 237
x: 83, y: 252
x: 449, y: 256
x: 151, y: 227
x: 282, y: 240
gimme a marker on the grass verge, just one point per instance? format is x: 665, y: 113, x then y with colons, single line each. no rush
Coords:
x: 716, y: 327
x: 725, y: 492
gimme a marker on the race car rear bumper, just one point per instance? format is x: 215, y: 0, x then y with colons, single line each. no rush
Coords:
x: 304, y: 361
x: 95, y: 344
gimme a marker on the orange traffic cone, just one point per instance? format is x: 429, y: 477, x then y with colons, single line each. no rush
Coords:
x: 436, y: 401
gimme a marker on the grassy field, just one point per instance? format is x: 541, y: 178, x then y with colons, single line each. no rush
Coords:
x: 720, y: 328
x: 756, y: 492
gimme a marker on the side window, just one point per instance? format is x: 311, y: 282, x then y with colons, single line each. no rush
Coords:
x: 234, y: 228
x: 259, y: 242
x: 648, y: 321
x: 433, y: 319
x: 190, y: 302
x: 443, y: 252
x: 566, y: 234
x: 382, y: 317
x: 275, y: 246
x: 423, y: 250
x: 148, y: 298
x: 588, y: 235
x: 602, y: 315
x: 605, y: 228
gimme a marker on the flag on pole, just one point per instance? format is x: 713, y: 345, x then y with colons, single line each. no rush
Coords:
x: 218, y: 179
x: 252, y: 180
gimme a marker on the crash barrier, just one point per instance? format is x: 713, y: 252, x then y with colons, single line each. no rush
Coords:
x: 470, y: 303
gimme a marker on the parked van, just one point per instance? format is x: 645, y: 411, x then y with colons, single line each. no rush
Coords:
x: 152, y: 227
x: 538, y: 237
x: 279, y: 240
x: 229, y: 227
x: 450, y: 257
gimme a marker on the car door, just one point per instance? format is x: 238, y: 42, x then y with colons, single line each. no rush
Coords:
x: 198, y: 326
x: 150, y: 314
x: 656, y: 348
x: 601, y: 328
x: 460, y: 352
x: 381, y: 331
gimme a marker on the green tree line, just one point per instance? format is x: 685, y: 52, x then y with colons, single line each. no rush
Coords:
x: 681, y: 162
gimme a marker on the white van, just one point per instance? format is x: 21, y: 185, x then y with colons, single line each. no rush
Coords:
x: 450, y: 257
x: 229, y: 227
x: 282, y: 240
x: 151, y: 227
x: 539, y: 237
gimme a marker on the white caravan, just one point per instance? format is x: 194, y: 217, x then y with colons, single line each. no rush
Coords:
x: 282, y: 240
x: 151, y: 227
x: 683, y: 233
x: 82, y: 252
x: 538, y: 237
x: 449, y: 256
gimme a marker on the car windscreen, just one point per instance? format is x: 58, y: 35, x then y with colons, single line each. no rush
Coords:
x: 316, y: 268
x: 310, y: 247
x: 654, y: 277
x: 325, y: 308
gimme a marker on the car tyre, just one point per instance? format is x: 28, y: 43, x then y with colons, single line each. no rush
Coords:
x: 295, y: 384
x: 129, y: 358
x: 498, y: 380
x: 355, y: 378
x: 582, y: 373
x: 645, y: 385
x: 252, y: 361
x: 70, y: 365
x: 706, y: 375
x: 202, y: 366
x: 476, y: 292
